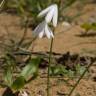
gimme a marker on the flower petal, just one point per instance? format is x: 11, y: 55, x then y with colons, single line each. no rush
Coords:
x: 39, y: 28
x: 49, y: 16
x: 55, y: 15
x: 41, y: 34
x: 47, y: 32
x: 44, y: 12
x: 51, y: 33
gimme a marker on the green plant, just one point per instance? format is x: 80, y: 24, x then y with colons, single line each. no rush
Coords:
x: 88, y: 26
x: 82, y: 75
x: 63, y: 71
x: 16, y: 80
x: 79, y: 69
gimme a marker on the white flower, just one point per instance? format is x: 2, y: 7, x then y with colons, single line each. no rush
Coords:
x: 43, y: 29
x: 51, y: 14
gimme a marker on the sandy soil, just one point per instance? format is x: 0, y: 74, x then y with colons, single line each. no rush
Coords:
x: 66, y: 39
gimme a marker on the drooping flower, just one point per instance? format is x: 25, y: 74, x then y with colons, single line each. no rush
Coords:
x: 50, y: 13
x: 43, y: 29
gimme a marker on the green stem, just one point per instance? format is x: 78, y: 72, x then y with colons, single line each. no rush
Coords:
x: 48, y: 76
x: 24, y: 35
x: 2, y: 3
x: 80, y: 79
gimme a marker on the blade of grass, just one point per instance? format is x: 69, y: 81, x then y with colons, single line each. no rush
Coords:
x: 80, y: 78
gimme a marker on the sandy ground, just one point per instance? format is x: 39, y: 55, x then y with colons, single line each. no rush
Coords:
x: 66, y: 39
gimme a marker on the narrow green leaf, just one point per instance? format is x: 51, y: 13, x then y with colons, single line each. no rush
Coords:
x: 18, y: 83
x: 31, y: 68
x: 8, y: 77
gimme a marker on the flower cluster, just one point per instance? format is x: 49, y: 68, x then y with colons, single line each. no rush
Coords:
x: 51, y: 14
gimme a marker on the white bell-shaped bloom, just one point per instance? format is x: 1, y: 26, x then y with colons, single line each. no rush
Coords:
x: 50, y: 13
x: 43, y: 29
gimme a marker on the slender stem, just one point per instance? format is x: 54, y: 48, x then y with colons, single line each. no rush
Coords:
x: 80, y: 79
x: 2, y: 3
x: 48, y: 76
x: 25, y: 32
